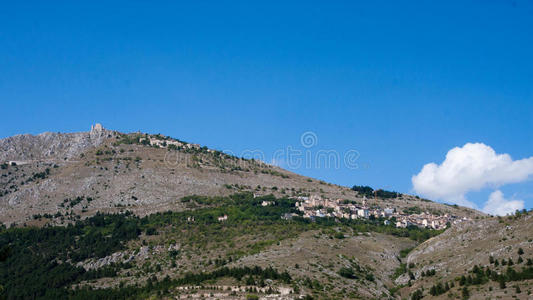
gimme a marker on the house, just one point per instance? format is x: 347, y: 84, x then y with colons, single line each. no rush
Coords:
x: 402, y: 224
x: 288, y: 216
x: 363, y: 212
x: 388, y: 211
x: 316, y: 200
x: 175, y: 143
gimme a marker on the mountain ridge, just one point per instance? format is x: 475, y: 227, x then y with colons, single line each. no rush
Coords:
x: 109, y: 167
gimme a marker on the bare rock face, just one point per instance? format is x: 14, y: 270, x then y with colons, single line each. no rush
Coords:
x: 51, y: 145
x: 144, y: 253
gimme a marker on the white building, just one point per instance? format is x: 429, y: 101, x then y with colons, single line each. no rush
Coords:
x: 388, y: 211
x: 363, y: 213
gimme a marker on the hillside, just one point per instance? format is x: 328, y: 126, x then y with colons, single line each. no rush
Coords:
x: 170, y: 253
x: 108, y: 215
x: 488, y: 244
x: 116, y: 171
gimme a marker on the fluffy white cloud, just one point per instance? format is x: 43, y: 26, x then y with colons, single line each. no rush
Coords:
x: 471, y: 167
x: 498, y: 205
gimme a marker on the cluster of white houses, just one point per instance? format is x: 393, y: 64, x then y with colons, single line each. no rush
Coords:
x: 164, y: 143
x: 316, y: 207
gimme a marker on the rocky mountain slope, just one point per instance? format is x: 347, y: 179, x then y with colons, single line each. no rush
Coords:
x: 461, y: 249
x: 51, y: 146
x: 142, y: 216
x: 44, y: 174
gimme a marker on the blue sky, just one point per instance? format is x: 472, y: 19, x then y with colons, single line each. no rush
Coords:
x: 400, y: 82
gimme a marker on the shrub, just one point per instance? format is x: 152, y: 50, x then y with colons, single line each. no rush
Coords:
x: 347, y: 273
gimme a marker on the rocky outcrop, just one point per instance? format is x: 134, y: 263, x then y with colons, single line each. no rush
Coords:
x: 51, y: 145
x: 143, y: 253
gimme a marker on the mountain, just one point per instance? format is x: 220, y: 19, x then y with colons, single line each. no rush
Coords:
x: 104, y: 214
x: 145, y: 174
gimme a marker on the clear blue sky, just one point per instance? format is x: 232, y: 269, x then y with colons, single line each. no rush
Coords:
x: 401, y: 82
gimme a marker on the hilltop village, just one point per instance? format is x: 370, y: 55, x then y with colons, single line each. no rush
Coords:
x: 166, y: 142
x: 316, y: 207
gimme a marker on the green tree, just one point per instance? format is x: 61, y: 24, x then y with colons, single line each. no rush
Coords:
x: 462, y: 281
x: 465, y: 293
x: 417, y: 295
x: 347, y: 273
x: 502, y: 283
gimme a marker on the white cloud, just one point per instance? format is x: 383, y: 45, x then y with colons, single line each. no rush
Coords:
x: 469, y: 168
x: 498, y: 205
